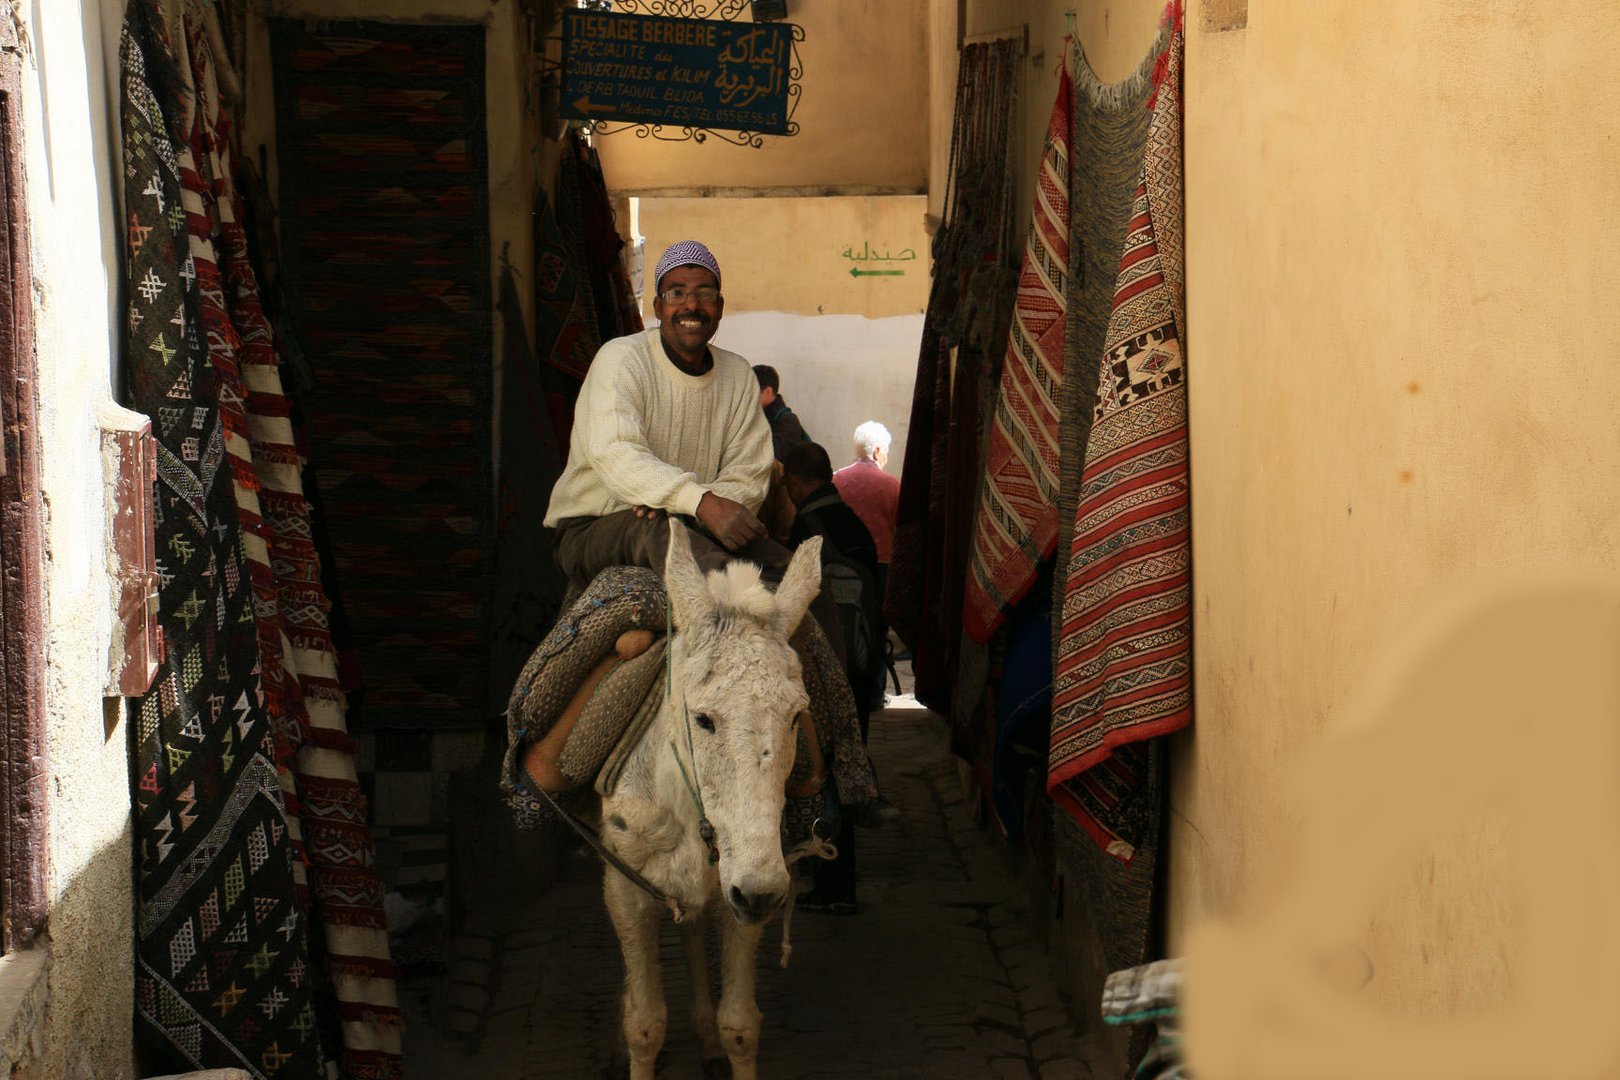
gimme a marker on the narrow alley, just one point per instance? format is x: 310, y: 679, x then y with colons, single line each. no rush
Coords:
x: 415, y: 411
x: 937, y: 976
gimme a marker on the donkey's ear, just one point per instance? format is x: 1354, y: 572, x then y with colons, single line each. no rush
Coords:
x: 688, y: 590
x: 799, y: 586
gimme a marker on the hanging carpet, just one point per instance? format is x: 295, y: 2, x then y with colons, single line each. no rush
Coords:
x: 565, y: 338
x: 594, y: 240
x: 222, y: 973
x: 1123, y: 672
x: 343, y: 892
x: 1015, y: 527
x: 528, y: 587
x: 969, y: 307
x: 384, y: 193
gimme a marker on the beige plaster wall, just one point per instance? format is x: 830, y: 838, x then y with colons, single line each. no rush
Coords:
x: 1401, y: 279
x: 865, y: 88
x: 71, y: 154
x: 1399, y: 261
x: 845, y: 343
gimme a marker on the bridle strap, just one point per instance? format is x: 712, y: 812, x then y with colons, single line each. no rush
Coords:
x: 705, y: 828
x: 594, y: 839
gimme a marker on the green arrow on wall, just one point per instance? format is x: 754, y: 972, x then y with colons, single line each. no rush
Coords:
x: 856, y: 271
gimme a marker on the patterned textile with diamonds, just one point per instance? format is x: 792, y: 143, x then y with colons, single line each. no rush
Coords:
x: 565, y: 338
x: 343, y: 891
x: 1015, y: 528
x: 384, y: 199
x: 1124, y: 665
x: 222, y: 973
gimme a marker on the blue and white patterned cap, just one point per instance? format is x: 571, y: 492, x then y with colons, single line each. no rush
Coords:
x: 686, y: 253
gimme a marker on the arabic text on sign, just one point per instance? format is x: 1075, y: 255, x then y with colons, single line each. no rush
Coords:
x: 866, y: 254
x: 687, y: 71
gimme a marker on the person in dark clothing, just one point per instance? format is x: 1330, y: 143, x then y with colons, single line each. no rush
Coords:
x: 847, y: 541
x: 786, y: 430
x: 821, y: 510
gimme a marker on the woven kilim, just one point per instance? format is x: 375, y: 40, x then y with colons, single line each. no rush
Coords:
x: 920, y: 510
x: 199, y: 157
x: 1110, y: 131
x: 385, y: 234
x: 344, y: 891
x: 222, y: 973
x: 564, y: 339
x: 623, y: 598
x: 1124, y: 669
x: 969, y: 308
x: 588, y: 221
x: 1015, y: 528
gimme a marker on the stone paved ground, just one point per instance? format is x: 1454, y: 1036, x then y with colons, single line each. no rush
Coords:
x: 940, y: 976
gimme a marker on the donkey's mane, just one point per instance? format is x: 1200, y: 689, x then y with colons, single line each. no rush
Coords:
x: 737, y: 591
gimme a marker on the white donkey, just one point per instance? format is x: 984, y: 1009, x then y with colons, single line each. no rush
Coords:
x: 698, y: 809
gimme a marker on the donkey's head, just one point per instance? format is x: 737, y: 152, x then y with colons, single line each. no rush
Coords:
x: 742, y: 693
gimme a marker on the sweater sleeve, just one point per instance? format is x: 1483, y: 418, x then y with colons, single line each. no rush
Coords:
x: 618, y: 448
x: 747, y: 459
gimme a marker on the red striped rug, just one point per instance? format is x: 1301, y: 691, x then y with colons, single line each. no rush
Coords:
x: 1124, y: 667
x: 335, y: 864
x: 1015, y: 527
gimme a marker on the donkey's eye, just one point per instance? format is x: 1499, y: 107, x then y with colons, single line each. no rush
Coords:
x: 704, y: 721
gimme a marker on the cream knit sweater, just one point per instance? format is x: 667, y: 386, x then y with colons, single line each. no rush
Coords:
x: 648, y: 434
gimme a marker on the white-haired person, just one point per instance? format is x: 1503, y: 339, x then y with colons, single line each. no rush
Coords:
x: 873, y: 494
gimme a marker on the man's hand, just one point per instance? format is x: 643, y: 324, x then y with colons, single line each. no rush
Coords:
x: 646, y: 511
x: 728, y: 522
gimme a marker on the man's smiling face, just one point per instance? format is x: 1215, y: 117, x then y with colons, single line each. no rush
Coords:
x: 687, y: 324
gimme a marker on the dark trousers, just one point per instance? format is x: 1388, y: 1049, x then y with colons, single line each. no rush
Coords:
x: 835, y: 879
x: 587, y: 546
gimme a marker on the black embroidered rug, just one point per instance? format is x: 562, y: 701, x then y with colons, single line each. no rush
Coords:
x: 222, y: 972
x: 384, y: 195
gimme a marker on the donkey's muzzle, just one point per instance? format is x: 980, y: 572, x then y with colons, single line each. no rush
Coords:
x: 751, y: 906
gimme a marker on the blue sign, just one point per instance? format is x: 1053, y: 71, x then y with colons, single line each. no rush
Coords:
x: 700, y: 73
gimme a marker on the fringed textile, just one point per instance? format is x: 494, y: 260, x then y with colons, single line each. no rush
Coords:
x: 222, y: 972
x: 601, y: 250
x: 969, y: 307
x: 1015, y: 527
x: 326, y: 809
x: 919, y: 515
x: 1124, y: 671
x: 583, y: 295
x: 1110, y: 132
x: 565, y: 337
x: 198, y: 155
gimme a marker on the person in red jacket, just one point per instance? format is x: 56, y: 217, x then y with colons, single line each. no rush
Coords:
x: 873, y: 494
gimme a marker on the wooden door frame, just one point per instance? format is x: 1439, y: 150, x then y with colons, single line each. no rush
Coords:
x: 23, y: 903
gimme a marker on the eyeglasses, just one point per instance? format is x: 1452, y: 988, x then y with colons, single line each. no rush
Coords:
x: 704, y: 294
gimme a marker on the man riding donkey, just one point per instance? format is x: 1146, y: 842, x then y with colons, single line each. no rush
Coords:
x: 667, y: 424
